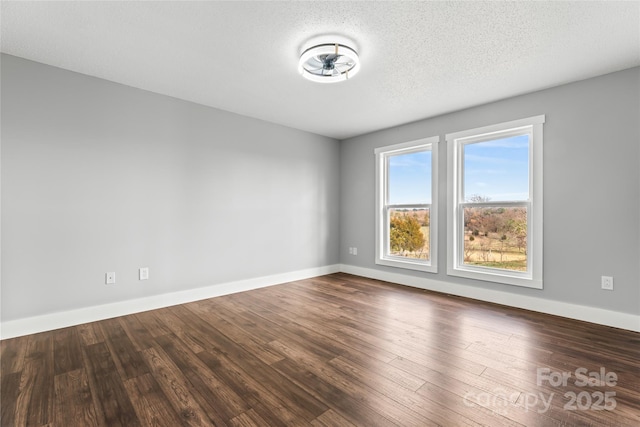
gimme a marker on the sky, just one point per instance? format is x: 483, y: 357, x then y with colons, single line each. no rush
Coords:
x: 410, y: 178
x: 497, y: 169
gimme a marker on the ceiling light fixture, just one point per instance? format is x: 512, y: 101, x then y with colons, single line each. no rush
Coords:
x: 329, y: 63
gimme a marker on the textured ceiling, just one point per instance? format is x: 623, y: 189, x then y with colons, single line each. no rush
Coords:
x: 419, y: 59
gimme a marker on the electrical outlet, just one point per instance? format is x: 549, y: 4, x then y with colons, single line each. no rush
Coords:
x: 355, y: 251
x: 143, y: 273
x: 607, y: 283
x: 110, y: 278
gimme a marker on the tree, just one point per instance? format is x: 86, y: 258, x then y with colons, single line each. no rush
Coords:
x: 405, y: 234
x: 519, y: 228
x: 477, y: 198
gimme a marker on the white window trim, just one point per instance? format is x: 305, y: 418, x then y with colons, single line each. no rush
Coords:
x: 381, y: 155
x: 534, y: 277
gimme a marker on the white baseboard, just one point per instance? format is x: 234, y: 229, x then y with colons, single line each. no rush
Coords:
x: 572, y: 311
x: 48, y: 322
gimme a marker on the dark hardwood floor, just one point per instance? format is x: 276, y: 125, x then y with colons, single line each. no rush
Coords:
x: 337, y: 350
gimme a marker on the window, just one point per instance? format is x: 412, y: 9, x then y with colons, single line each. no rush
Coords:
x: 406, y: 194
x: 495, y: 203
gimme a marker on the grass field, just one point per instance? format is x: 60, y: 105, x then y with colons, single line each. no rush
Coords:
x: 491, y: 251
x: 494, y: 250
x: 487, y: 251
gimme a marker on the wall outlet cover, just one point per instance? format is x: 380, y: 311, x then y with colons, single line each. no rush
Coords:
x: 110, y: 278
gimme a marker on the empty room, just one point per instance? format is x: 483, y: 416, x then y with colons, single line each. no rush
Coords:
x: 320, y: 213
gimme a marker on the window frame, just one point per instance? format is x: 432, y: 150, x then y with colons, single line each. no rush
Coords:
x: 382, y: 154
x: 533, y: 277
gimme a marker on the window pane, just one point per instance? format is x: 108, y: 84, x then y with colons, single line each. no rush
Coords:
x: 496, y: 237
x: 409, y: 233
x: 497, y: 170
x: 410, y: 178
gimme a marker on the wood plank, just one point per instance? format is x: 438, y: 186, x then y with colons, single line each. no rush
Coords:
x: 348, y: 405
x: 90, y: 333
x: 248, y: 419
x: 152, y: 323
x: 67, y: 353
x: 73, y: 401
x: 35, y: 402
x: 12, y: 354
x: 290, y: 402
x: 179, y: 327
x: 127, y: 359
x: 140, y: 337
x: 491, y: 414
x: 228, y: 351
x: 434, y: 375
x: 231, y: 322
x: 385, y: 398
x: 325, y: 341
x: 110, y: 398
x: 215, y: 397
x: 175, y: 387
x: 336, y: 350
x: 9, y: 392
x: 257, y: 395
x: 331, y: 419
x: 390, y: 372
x: 150, y: 403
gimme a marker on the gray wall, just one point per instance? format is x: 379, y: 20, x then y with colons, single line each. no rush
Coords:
x: 101, y: 177
x: 591, y: 188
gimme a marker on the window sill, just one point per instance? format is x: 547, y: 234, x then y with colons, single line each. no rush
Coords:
x: 407, y: 264
x: 496, y: 277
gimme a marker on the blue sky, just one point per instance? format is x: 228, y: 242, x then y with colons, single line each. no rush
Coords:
x: 497, y: 169
x: 410, y: 178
